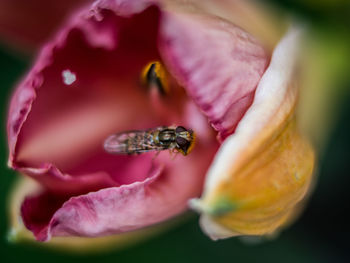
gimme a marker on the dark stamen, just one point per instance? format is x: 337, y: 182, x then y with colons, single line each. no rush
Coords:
x: 154, y: 75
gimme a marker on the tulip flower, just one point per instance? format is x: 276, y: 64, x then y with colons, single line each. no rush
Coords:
x: 216, y: 79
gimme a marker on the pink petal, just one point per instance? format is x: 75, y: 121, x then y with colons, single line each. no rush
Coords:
x: 218, y: 63
x: 58, y: 130
x: 113, y: 210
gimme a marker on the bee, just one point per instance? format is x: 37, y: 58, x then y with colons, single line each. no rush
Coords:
x: 158, y: 139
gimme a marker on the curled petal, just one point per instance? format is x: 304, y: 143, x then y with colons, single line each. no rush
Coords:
x: 18, y: 233
x: 221, y: 79
x: 115, y: 209
x: 263, y: 171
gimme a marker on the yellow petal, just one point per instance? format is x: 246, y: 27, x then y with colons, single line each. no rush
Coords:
x: 263, y: 171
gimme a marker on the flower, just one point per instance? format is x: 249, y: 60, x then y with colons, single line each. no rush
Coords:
x: 85, y: 86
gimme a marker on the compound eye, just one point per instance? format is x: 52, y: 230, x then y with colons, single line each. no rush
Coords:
x: 183, y: 144
x: 180, y: 129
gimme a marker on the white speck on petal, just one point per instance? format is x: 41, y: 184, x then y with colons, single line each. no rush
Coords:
x: 68, y: 77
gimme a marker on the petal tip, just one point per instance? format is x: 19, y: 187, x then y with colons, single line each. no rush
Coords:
x: 214, y: 230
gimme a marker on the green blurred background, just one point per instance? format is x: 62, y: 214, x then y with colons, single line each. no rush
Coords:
x: 320, y: 235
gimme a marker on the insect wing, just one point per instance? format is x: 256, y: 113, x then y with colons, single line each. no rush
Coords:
x: 129, y: 143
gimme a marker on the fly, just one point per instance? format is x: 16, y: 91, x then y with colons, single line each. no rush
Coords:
x: 158, y: 139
